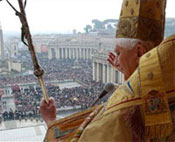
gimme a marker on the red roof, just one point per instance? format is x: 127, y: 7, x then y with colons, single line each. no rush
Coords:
x: 44, y: 48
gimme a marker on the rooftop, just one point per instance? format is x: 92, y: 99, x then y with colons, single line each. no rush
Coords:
x: 23, y: 131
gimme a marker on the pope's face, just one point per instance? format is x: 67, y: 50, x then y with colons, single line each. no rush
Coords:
x: 126, y: 60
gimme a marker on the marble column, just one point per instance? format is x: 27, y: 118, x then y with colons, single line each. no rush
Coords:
x: 80, y: 53
x: 49, y: 54
x: 104, y: 73
x: 100, y: 72
x: 66, y: 55
x: 90, y: 54
x: 93, y: 70
x: 62, y: 53
x: 87, y: 53
x: 121, y: 77
x: 77, y: 53
x: 58, y: 53
x: 118, y: 77
x: 108, y: 73
x: 84, y: 53
x: 112, y: 74
x: 74, y: 53
x: 98, y: 78
x: 70, y: 53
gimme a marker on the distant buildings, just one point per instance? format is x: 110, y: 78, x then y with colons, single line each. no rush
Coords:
x: 9, y: 52
x: 2, y: 44
x: 80, y: 46
x: 93, y: 45
x: 90, y: 47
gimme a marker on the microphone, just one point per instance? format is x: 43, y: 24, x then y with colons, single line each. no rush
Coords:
x: 108, y: 87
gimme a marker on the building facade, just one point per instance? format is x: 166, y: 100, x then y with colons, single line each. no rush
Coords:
x: 84, y: 47
x: 71, y: 52
x: 103, y: 71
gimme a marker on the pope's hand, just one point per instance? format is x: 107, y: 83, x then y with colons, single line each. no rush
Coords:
x: 48, y: 111
x: 111, y: 59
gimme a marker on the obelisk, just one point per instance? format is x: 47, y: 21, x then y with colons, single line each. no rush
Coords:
x: 2, y: 44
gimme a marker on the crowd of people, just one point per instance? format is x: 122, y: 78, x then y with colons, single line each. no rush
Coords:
x: 27, y: 101
x: 54, y: 70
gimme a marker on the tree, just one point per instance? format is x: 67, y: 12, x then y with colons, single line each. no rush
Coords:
x: 98, y: 24
x: 109, y: 27
x: 88, y: 28
x: 110, y: 21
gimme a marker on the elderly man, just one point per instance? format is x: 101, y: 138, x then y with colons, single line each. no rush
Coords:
x: 127, y: 53
x: 140, y: 28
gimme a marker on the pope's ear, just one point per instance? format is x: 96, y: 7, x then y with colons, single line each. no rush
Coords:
x: 140, y: 50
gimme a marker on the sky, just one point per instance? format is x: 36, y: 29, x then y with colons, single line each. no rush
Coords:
x: 62, y: 16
